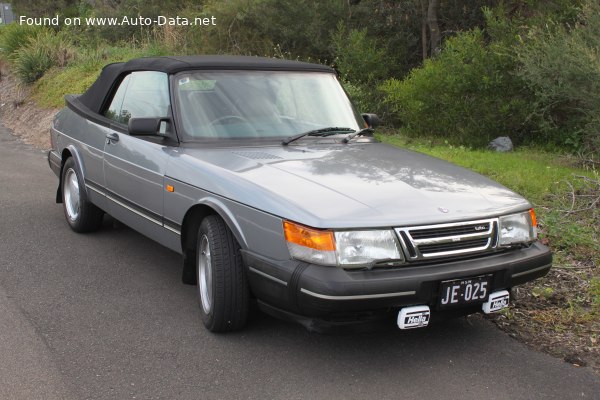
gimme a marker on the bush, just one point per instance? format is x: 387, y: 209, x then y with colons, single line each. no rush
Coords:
x: 43, y: 52
x: 357, y: 56
x: 15, y: 36
x: 32, y: 62
x: 466, y: 94
x: 562, y: 67
x: 362, y: 65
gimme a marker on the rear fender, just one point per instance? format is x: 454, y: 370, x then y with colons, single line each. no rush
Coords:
x: 70, y: 151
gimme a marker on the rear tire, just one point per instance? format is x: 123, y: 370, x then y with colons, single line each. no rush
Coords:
x: 222, y: 283
x: 81, y: 215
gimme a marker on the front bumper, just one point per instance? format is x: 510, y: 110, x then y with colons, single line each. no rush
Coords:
x: 315, y: 291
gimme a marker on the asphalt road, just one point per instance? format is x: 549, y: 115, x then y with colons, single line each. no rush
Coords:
x: 104, y: 316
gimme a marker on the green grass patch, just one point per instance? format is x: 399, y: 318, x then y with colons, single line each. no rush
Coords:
x: 49, y: 90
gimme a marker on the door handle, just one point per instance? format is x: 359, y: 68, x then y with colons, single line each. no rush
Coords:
x: 111, y: 137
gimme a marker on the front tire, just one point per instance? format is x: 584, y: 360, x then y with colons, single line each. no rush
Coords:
x: 82, y: 216
x: 222, y: 284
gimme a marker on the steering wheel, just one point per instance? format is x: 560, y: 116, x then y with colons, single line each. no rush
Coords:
x: 220, y: 120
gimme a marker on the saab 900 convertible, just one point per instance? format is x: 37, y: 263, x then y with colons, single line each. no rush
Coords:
x: 272, y: 187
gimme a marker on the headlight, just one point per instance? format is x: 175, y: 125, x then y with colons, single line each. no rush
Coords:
x: 364, y: 247
x: 517, y: 228
x: 347, y: 248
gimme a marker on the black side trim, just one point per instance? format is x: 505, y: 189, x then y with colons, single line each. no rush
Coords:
x: 95, y: 186
x: 294, y: 284
x: 115, y: 197
x: 171, y: 224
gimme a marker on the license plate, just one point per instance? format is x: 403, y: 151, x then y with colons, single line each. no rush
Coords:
x: 464, y: 291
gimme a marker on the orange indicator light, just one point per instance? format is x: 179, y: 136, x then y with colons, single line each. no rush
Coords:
x: 317, y: 239
x: 170, y: 188
x: 533, y: 218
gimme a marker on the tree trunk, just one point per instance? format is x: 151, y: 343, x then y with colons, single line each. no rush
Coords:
x: 434, y: 28
x: 424, y: 47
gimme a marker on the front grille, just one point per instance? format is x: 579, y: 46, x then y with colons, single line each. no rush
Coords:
x: 424, y: 242
x: 449, y: 231
x: 468, y: 244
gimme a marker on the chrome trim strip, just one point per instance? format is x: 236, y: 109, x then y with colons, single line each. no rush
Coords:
x: 175, y: 231
x: 451, y: 224
x: 460, y: 251
x: 284, y: 283
x: 357, y: 297
x: 531, y: 271
x: 451, y: 239
x: 95, y: 190
x: 133, y: 210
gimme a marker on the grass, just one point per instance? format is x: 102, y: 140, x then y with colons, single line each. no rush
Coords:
x: 49, y: 91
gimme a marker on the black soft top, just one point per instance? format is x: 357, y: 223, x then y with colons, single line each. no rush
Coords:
x: 111, y: 74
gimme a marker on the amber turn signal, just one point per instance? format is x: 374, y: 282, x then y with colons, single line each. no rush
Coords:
x: 317, y: 239
x: 533, y: 218
x: 170, y: 188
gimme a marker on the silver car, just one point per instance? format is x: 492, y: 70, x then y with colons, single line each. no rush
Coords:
x: 274, y: 190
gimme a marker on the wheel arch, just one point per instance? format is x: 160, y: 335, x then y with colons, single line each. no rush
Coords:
x: 68, y: 152
x: 209, y: 206
x: 189, y: 231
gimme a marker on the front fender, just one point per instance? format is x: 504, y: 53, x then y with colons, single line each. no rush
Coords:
x: 221, y: 208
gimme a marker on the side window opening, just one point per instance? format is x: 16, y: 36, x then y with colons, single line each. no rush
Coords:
x: 141, y: 94
x: 114, y: 109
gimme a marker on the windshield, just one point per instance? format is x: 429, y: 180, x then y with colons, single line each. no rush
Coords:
x: 260, y: 104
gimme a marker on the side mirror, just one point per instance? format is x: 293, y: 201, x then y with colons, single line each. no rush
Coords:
x: 147, y: 126
x: 372, y: 120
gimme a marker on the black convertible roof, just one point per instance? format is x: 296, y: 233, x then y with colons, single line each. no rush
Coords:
x: 111, y: 74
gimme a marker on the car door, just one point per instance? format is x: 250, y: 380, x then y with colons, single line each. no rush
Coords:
x: 134, y: 167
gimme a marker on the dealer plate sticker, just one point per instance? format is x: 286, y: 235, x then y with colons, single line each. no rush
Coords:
x: 464, y: 291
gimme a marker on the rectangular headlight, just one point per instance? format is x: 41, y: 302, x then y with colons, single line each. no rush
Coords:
x: 517, y: 228
x: 357, y: 248
x: 346, y: 249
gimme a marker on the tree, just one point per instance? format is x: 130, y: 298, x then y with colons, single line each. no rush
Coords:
x: 435, y: 37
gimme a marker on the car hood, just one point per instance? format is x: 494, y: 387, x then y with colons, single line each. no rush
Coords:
x: 343, y: 186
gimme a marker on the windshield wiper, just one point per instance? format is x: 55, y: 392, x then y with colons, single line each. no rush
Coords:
x: 316, y: 132
x: 357, y: 133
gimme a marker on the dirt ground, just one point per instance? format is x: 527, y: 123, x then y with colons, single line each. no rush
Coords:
x: 25, y: 120
x: 523, y: 322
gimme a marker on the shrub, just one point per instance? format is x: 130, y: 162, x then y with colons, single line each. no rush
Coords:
x: 15, y: 36
x: 32, y: 62
x: 357, y: 56
x: 362, y: 65
x: 466, y: 94
x: 43, y: 52
x: 562, y: 67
